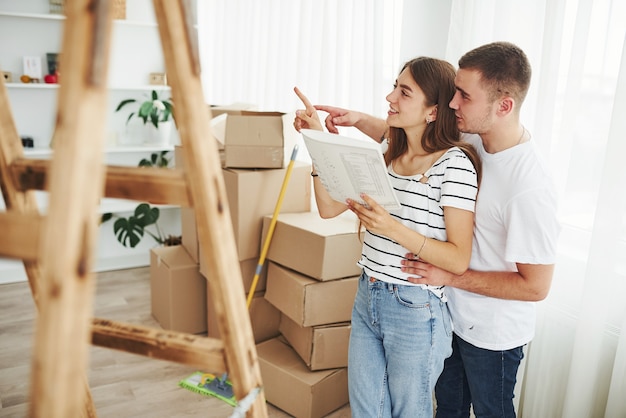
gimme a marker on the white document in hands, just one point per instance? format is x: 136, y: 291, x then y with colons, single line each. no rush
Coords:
x: 348, y: 167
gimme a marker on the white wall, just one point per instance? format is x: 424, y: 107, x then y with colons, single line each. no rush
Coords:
x: 425, y: 25
x: 26, y: 28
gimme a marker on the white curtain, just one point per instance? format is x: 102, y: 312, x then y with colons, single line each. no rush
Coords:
x: 336, y: 51
x: 345, y: 52
x: 576, y: 109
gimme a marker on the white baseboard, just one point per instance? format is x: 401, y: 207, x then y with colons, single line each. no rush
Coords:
x: 123, y: 262
x: 12, y: 271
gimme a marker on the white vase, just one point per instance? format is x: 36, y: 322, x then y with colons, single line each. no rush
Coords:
x: 133, y: 133
x: 158, y: 137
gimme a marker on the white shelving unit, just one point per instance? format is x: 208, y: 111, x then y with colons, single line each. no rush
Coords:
x: 28, y: 29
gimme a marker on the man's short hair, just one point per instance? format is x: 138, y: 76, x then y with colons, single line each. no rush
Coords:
x: 504, y: 68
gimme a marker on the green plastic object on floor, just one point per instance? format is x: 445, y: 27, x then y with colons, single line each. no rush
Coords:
x: 211, y: 385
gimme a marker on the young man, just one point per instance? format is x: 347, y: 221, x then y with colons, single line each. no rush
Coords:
x: 515, y: 236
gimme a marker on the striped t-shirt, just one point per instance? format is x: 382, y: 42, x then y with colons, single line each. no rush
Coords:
x: 451, y: 181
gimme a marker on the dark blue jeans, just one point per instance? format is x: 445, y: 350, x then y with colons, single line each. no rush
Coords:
x: 482, y: 378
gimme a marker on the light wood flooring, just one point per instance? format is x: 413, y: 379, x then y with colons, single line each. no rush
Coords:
x: 122, y: 384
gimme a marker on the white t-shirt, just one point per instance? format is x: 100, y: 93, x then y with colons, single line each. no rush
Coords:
x: 451, y: 181
x: 516, y: 222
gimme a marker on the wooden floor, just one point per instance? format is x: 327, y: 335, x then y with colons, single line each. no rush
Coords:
x: 122, y: 384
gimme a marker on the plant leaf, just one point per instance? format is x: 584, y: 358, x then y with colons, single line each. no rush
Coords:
x: 124, y: 103
x: 145, y: 110
x: 146, y: 215
x: 128, y: 232
x: 154, y: 118
x: 167, y: 112
x: 163, y: 162
x: 129, y: 117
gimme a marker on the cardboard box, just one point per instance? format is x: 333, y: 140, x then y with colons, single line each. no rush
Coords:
x: 218, y: 121
x: 324, y: 249
x: 264, y: 318
x: 320, y: 347
x: 248, y: 270
x: 307, y: 301
x: 233, y: 108
x: 189, y: 233
x: 177, y: 290
x: 292, y: 387
x: 254, y: 140
x: 218, y: 130
x: 252, y: 194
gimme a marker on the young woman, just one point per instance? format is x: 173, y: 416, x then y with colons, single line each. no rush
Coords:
x: 401, y: 333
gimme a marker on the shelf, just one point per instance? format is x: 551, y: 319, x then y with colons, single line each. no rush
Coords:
x: 37, y: 152
x: 27, y: 28
x: 41, y: 86
x: 45, y: 152
x: 123, y: 22
x: 52, y: 16
x: 145, y: 87
x: 138, y: 148
x: 111, y: 205
x: 45, y: 86
x: 43, y: 16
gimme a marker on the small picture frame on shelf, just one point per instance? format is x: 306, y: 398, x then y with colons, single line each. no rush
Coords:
x: 158, y: 79
x: 57, y: 7
x: 53, y: 62
x: 119, y: 9
x: 27, y: 142
x: 32, y: 67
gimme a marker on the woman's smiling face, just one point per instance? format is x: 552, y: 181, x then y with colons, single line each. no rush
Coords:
x: 407, y: 103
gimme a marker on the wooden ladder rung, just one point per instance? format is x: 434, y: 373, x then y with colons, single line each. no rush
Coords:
x: 20, y: 234
x: 147, y: 184
x: 204, y: 352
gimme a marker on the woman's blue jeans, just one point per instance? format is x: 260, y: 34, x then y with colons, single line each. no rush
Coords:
x: 483, y: 378
x: 400, y: 337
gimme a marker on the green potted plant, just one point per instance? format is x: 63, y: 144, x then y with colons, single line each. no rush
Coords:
x: 130, y: 230
x: 159, y: 159
x: 156, y: 115
x: 153, y: 110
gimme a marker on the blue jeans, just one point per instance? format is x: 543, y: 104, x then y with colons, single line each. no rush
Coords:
x: 400, y: 338
x: 483, y: 378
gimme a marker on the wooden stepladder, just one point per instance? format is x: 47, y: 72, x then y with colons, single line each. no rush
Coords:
x: 58, y: 247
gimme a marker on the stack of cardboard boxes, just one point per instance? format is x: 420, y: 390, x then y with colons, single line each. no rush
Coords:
x: 178, y: 274
x: 252, y: 194
x: 312, y: 280
x: 300, y: 311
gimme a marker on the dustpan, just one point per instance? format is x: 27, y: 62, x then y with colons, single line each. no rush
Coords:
x: 210, y: 385
x: 207, y: 383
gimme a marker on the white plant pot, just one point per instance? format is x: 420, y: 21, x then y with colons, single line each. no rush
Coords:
x: 133, y: 133
x: 158, y: 137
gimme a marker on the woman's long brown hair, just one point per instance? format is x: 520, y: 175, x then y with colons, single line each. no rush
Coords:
x: 435, y: 78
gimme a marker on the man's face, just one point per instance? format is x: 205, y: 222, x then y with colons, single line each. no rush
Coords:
x: 475, y: 113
